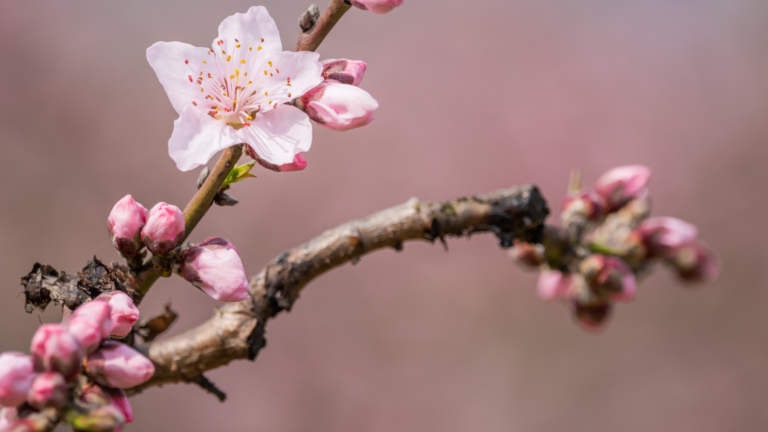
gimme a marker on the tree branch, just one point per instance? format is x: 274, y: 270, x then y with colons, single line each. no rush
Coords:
x: 311, y: 39
x: 236, y: 331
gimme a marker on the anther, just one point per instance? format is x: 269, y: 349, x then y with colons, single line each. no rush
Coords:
x: 229, y: 58
x: 186, y: 61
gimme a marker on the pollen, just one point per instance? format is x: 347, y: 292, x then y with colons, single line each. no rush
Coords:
x: 278, y: 70
x: 270, y: 63
x: 232, y: 77
x: 275, y: 106
x: 229, y: 58
x: 190, y: 78
x: 250, y: 48
x: 265, y: 94
x: 205, y: 62
x: 265, y: 71
x: 220, y: 42
x: 194, y: 103
x: 289, y: 95
x: 209, y: 75
x: 242, y: 61
x: 249, y: 118
x: 249, y: 82
x: 202, y: 89
x: 237, y: 46
x: 186, y: 61
x: 262, y: 40
x: 269, y: 103
x: 259, y: 48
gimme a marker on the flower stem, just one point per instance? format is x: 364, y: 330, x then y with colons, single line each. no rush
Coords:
x: 311, y: 39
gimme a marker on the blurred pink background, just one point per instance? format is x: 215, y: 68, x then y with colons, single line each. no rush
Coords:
x: 474, y: 96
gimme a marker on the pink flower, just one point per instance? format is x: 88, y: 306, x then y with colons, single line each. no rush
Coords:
x: 217, y: 270
x: 696, y: 263
x: 611, y: 276
x: 16, y: 376
x: 164, y: 230
x: 553, y: 285
x: 49, y: 390
x: 118, y: 365
x: 86, y: 331
x: 98, y: 312
x: 54, y: 349
x: 120, y: 401
x: 124, y: 313
x: 237, y: 92
x: 623, y: 184
x: 344, y: 71
x: 663, y: 236
x: 338, y: 106
x: 124, y: 224
x: 377, y: 6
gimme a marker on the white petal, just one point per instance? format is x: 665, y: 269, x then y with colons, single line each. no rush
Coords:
x: 249, y: 29
x: 303, y: 69
x: 197, y: 137
x: 278, y: 135
x: 168, y: 59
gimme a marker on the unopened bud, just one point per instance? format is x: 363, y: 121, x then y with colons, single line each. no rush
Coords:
x: 98, y: 311
x: 344, y: 71
x: 120, y: 401
x: 377, y: 6
x: 593, y: 316
x: 123, y: 312
x: 49, y: 390
x: 696, y: 263
x: 164, y: 230
x: 225, y: 200
x: 124, y: 224
x: 16, y: 376
x: 215, y: 267
x: 54, y: 349
x: 86, y: 331
x: 338, y: 106
x: 105, y: 418
x: 118, y: 365
x: 663, y: 236
x: 609, y: 276
x: 586, y: 204
x: 623, y: 184
x: 530, y: 255
x: 308, y: 19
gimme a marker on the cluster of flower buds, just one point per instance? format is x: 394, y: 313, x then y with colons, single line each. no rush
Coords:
x: 131, y: 227
x: 606, y: 241
x: 59, y: 352
x: 377, y: 6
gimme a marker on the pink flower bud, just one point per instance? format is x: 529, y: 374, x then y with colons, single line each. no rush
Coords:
x: 696, y: 263
x: 344, y: 71
x: 377, y: 6
x: 663, y: 236
x: 623, y: 184
x: 124, y: 224
x: 611, y: 276
x: 86, y: 331
x: 118, y: 365
x: 338, y: 106
x: 216, y: 269
x: 120, y: 401
x: 49, y: 390
x: 587, y: 204
x: 298, y: 164
x: 527, y: 254
x: 592, y: 317
x: 54, y: 349
x: 16, y: 376
x: 99, y: 312
x: 124, y: 313
x: 164, y: 230
x: 553, y: 285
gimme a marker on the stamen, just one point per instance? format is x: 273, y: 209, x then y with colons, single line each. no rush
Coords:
x: 205, y: 62
x: 186, y: 61
x: 194, y: 103
x: 242, y: 61
x: 229, y: 58
x: 262, y: 40
x: 265, y: 94
x: 259, y: 48
x: 278, y: 70
x: 220, y: 42
x: 270, y: 63
x: 250, y: 48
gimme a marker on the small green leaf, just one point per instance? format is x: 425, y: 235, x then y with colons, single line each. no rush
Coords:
x: 239, y: 173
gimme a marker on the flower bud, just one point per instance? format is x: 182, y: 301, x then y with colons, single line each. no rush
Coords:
x: 54, y: 349
x: 215, y: 267
x: 118, y: 365
x: 663, y: 236
x: 49, y: 390
x: 696, y: 263
x: 99, y: 312
x: 586, y: 204
x: 105, y: 418
x: 592, y: 316
x: 124, y: 313
x: 298, y: 164
x: 623, y: 184
x: 377, y: 6
x: 529, y: 255
x: 120, y: 401
x: 344, y: 71
x: 124, y: 224
x: 86, y: 331
x: 16, y: 376
x: 553, y: 285
x: 164, y: 230
x: 610, y: 276
x: 338, y: 106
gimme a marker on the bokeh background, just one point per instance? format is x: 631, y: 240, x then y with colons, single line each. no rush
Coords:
x: 474, y: 96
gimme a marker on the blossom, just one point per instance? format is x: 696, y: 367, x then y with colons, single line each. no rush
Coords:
x: 49, y: 390
x: 86, y: 331
x: 609, y: 276
x: 123, y: 312
x: 118, y: 365
x: 377, y: 6
x: 216, y: 269
x: 338, y: 106
x: 696, y: 263
x: 620, y: 185
x: 164, y: 230
x: 54, y: 349
x: 98, y: 312
x: 663, y: 236
x: 16, y: 376
x: 124, y: 224
x: 344, y: 71
x: 236, y: 92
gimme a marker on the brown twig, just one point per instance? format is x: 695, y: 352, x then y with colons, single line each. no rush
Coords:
x: 311, y: 39
x: 236, y: 331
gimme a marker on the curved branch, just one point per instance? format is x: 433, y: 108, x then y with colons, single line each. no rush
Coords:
x: 236, y: 331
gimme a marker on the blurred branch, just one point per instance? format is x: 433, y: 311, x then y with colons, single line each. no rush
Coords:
x: 236, y: 331
x: 311, y: 38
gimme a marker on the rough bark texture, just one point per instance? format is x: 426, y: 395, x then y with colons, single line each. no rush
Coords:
x: 236, y: 331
